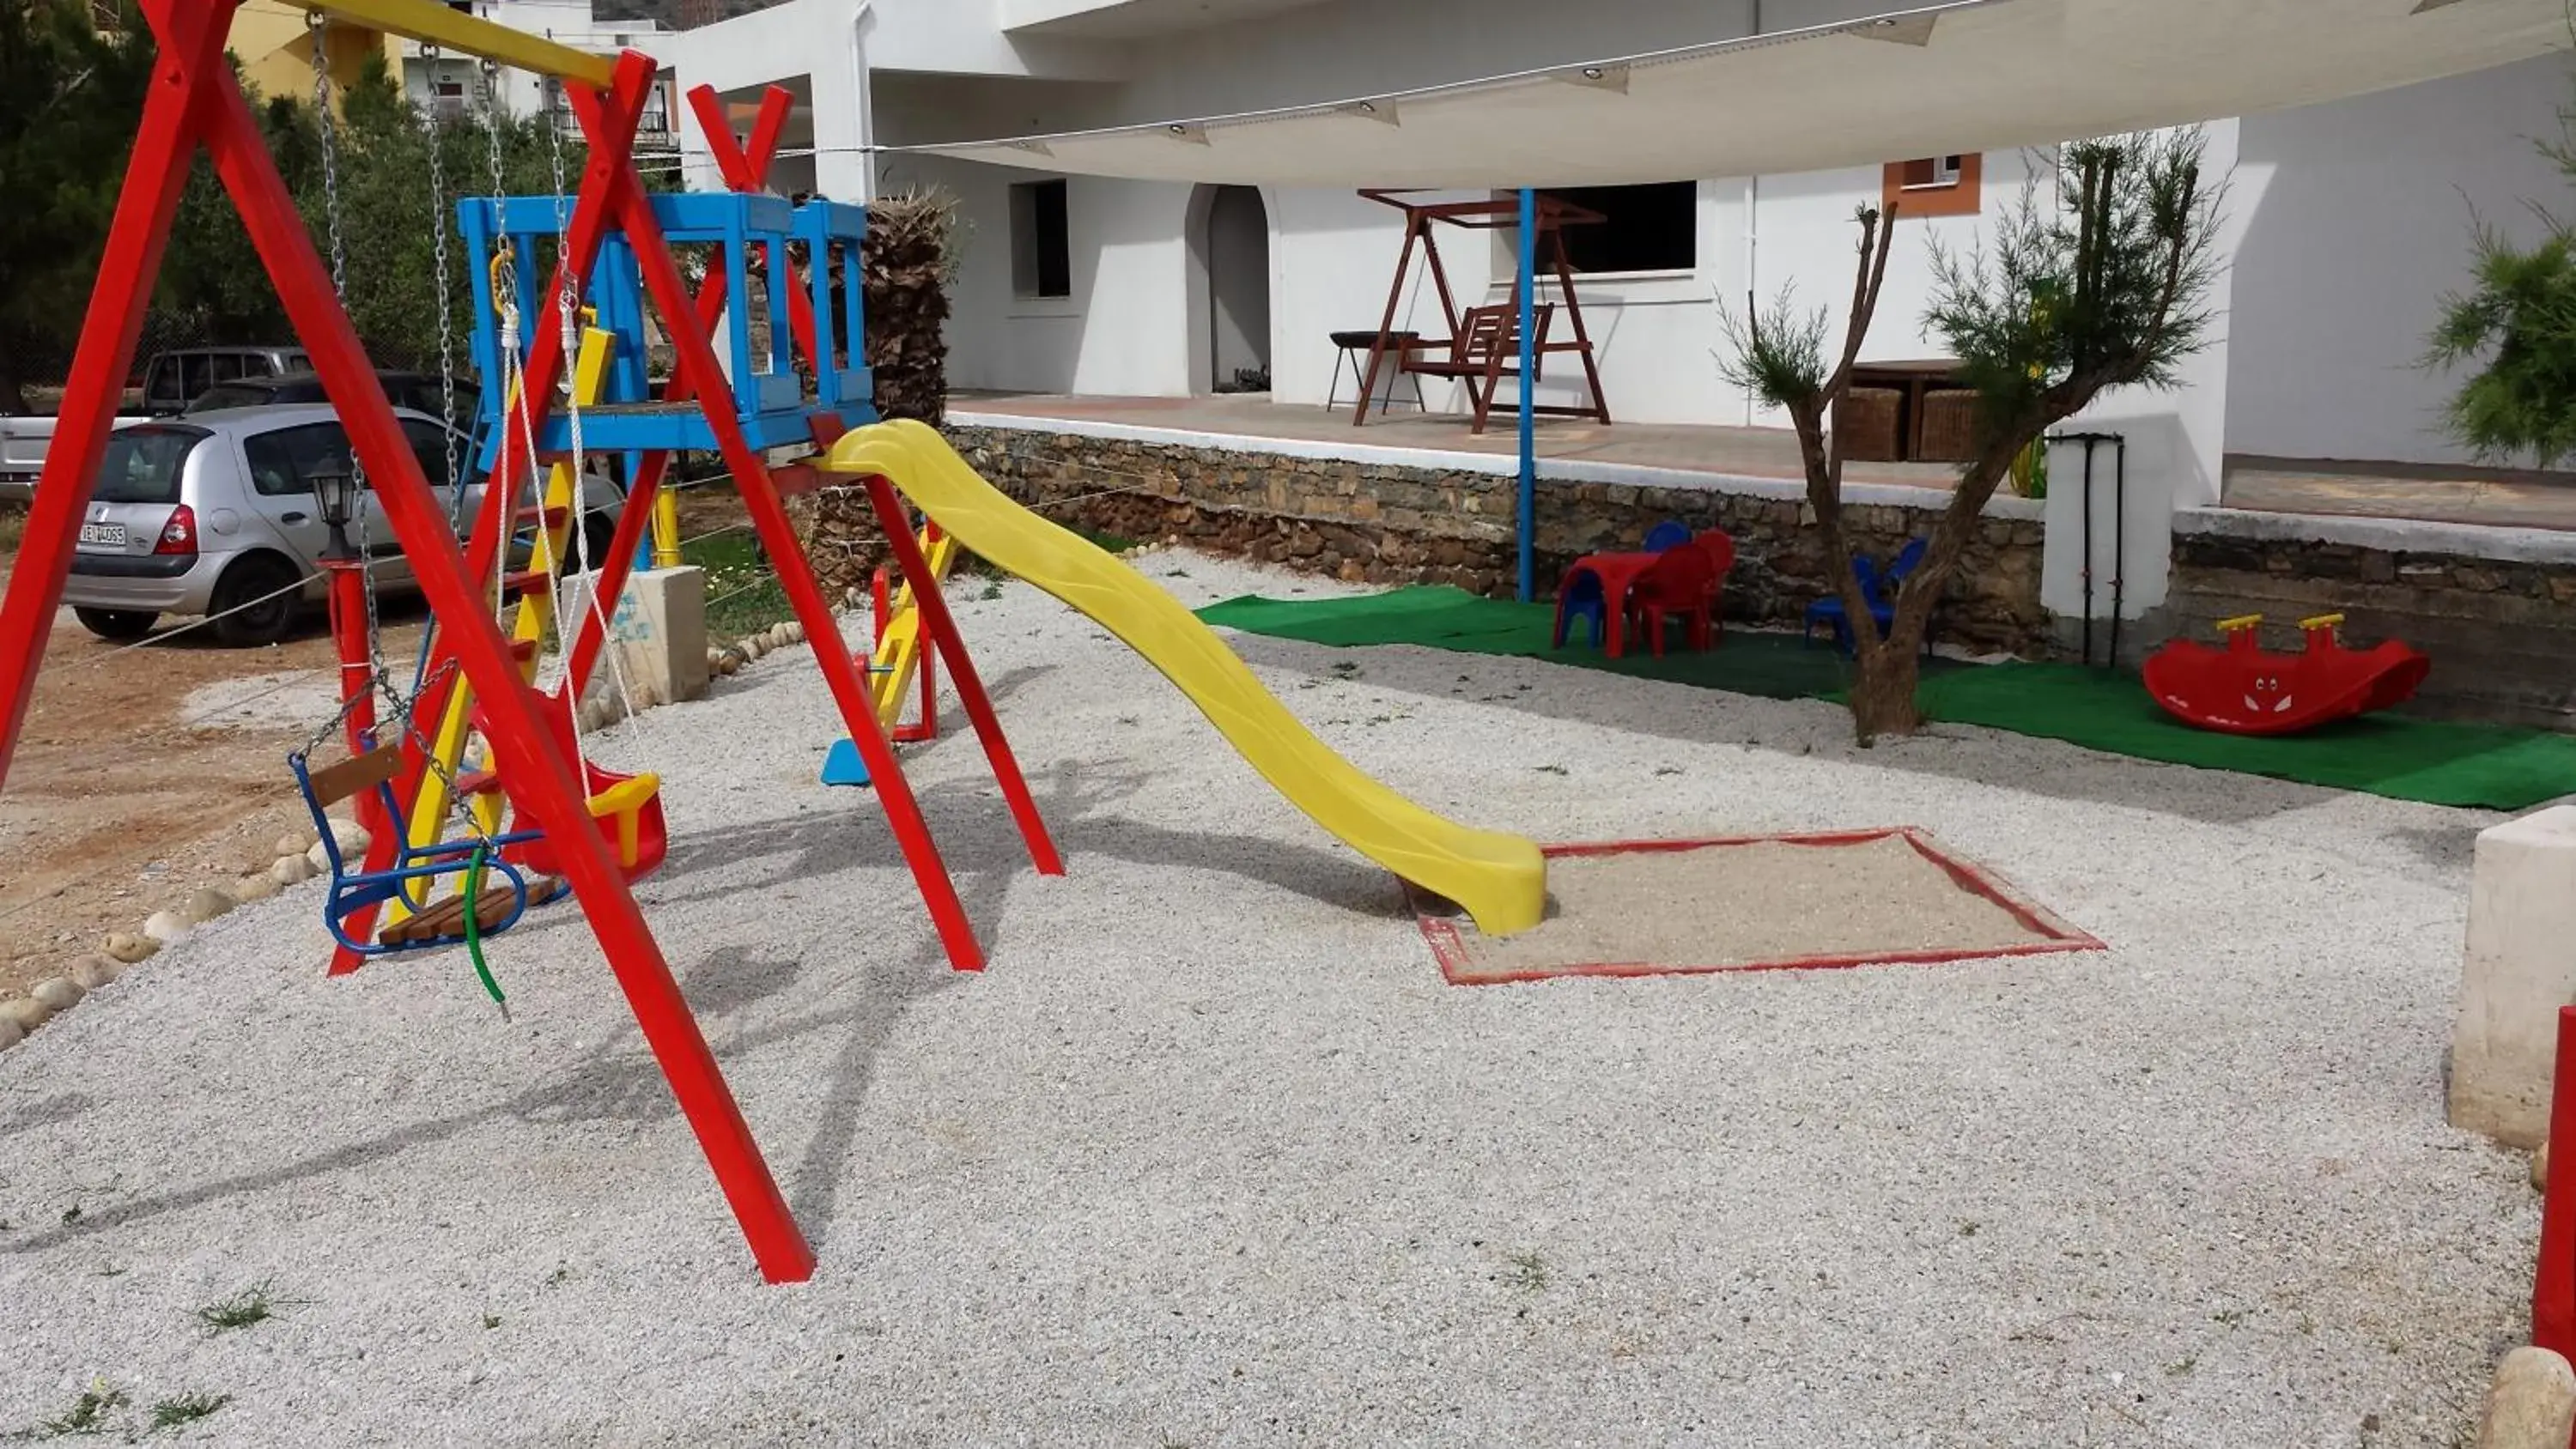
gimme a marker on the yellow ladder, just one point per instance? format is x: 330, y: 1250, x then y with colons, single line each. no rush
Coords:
x: 898, y: 650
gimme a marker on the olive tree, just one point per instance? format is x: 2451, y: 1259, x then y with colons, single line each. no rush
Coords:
x: 2101, y: 279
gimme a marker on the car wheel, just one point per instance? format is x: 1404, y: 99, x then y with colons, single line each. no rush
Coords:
x: 117, y: 624
x: 249, y: 607
x: 597, y: 532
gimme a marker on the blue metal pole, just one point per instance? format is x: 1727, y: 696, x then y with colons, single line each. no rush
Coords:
x: 1527, y: 512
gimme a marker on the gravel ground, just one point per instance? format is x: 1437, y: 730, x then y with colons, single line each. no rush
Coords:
x: 1211, y: 1156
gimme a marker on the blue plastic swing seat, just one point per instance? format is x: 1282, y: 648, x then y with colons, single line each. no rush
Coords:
x: 353, y: 889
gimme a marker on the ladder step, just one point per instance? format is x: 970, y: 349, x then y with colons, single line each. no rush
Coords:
x: 523, y: 650
x: 552, y: 515
x: 478, y: 782
x: 525, y: 581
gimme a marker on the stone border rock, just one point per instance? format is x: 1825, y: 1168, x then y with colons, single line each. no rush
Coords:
x: 299, y: 858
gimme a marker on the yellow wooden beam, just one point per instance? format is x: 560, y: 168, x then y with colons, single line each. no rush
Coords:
x: 433, y: 23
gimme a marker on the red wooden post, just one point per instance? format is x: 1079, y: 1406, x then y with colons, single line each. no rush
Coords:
x: 348, y: 600
x: 536, y: 773
x: 939, y: 627
x: 191, y: 65
x: 697, y: 362
x: 746, y: 168
x: 606, y: 176
x: 2553, y: 1288
x: 775, y: 105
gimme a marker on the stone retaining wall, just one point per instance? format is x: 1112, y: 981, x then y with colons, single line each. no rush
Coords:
x: 2495, y: 608
x: 1381, y: 523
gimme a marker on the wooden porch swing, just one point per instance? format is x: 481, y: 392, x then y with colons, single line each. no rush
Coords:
x: 1484, y: 343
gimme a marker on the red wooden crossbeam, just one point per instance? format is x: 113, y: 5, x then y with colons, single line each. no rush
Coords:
x: 195, y: 100
x: 776, y: 104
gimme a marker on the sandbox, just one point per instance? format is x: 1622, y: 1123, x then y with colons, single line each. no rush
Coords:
x: 1751, y: 903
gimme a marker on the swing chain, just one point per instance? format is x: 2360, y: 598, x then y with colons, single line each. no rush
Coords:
x: 317, y: 30
x: 438, y: 222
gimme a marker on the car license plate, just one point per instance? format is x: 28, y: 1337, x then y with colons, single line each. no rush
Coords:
x: 107, y: 535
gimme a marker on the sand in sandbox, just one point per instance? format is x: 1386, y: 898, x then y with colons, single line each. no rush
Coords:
x: 1828, y: 900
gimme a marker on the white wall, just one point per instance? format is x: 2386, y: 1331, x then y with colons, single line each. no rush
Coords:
x: 2358, y: 219
x: 1125, y: 329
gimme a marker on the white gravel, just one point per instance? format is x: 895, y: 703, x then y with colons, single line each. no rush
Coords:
x: 1211, y: 1156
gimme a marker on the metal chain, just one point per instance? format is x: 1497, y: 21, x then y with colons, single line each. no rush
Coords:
x: 317, y: 31
x: 430, y: 131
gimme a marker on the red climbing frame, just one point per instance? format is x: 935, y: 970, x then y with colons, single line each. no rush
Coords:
x: 195, y: 101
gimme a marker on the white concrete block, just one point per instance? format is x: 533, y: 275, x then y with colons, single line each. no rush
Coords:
x: 2517, y: 972
x: 659, y: 629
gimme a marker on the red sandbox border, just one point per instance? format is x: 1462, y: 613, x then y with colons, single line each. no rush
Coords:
x: 1440, y: 930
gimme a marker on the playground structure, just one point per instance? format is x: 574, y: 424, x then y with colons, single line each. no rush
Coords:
x: 611, y: 260
x: 196, y: 101
x: 2246, y: 690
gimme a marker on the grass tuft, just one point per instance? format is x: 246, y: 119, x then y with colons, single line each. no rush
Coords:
x: 88, y: 1413
x: 181, y: 1409
x: 255, y: 1304
x: 13, y: 526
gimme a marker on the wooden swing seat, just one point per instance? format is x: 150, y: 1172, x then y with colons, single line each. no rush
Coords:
x: 444, y: 920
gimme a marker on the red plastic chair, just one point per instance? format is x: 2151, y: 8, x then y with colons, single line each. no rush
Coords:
x: 1679, y: 586
x: 1684, y: 584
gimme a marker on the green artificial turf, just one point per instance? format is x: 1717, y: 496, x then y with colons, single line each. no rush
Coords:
x: 2490, y: 766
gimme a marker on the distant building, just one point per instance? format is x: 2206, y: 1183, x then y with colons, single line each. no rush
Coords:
x: 274, y: 42
x: 452, y: 85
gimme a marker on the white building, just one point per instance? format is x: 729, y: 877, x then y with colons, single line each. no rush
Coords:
x: 2347, y: 220
x: 452, y: 85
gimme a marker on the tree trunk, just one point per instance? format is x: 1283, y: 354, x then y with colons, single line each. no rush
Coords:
x: 1882, y: 692
x: 902, y: 271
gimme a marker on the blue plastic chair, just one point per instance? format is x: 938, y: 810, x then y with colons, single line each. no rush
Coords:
x: 1879, y: 589
x: 1669, y: 534
x: 1581, y: 599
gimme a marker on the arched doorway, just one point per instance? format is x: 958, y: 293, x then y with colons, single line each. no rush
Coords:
x: 1237, y: 249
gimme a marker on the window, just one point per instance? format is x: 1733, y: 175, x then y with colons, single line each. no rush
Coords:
x: 282, y: 463
x: 142, y: 465
x: 1041, y: 240
x: 1653, y: 228
x: 1934, y: 186
x: 429, y: 445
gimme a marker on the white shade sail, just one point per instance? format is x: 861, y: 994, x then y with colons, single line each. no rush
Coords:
x: 1978, y: 75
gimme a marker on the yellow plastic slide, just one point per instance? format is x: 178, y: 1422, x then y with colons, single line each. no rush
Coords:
x: 1501, y: 880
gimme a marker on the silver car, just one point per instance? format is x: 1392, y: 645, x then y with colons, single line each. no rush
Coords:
x: 214, y: 514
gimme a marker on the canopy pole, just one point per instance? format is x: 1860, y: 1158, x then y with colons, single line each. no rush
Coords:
x: 1526, y: 513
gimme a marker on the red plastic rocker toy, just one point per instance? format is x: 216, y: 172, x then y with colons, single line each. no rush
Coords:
x: 2243, y: 690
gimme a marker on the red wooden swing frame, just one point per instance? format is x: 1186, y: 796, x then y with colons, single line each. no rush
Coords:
x: 196, y: 100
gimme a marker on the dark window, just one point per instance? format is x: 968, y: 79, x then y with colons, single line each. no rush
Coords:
x: 1653, y: 228
x: 284, y: 462
x: 142, y: 465
x: 1041, y: 240
x: 429, y: 445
